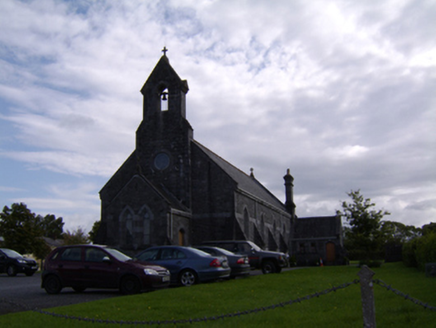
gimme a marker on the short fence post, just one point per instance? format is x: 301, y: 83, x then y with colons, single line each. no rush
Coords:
x: 368, y: 307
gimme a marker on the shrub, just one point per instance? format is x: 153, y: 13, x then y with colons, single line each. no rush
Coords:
x: 426, y: 250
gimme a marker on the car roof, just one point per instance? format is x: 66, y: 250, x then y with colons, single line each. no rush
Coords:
x: 225, y: 241
x: 82, y: 245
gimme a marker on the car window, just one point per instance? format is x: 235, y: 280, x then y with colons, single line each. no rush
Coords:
x: 72, y: 254
x: 118, y: 255
x: 244, y: 248
x: 178, y: 254
x: 209, y: 250
x: 167, y: 254
x: 55, y: 255
x: 172, y: 254
x: 148, y: 255
x: 94, y: 255
x: 229, y: 246
x: 254, y: 246
x: 225, y: 252
x: 198, y: 251
x: 12, y: 254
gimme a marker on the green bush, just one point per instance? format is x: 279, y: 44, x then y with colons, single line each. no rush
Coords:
x: 426, y: 250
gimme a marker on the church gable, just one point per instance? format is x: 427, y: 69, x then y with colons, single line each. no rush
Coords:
x: 119, y: 179
x: 135, y: 214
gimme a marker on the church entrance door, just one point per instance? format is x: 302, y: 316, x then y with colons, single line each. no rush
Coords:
x: 181, y: 237
x: 330, y: 252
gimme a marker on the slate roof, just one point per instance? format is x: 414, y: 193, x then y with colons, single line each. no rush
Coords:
x: 245, y: 182
x: 317, y: 227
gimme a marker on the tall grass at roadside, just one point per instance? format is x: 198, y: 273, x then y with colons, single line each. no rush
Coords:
x: 336, y: 309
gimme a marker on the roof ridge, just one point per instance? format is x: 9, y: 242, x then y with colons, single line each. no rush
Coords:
x: 198, y: 143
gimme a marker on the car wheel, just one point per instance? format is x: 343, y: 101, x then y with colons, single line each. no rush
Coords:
x: 130, y: 285
x: 79, y: 289
x: 29, y: 273
x: 52, y: 285
x: 268, y: 267
x: 11, y: 271
x: 188, y: 278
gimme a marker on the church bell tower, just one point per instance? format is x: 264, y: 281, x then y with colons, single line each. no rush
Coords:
x: 163, y: 139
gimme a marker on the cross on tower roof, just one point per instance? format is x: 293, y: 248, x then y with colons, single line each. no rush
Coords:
x: 164, y: 50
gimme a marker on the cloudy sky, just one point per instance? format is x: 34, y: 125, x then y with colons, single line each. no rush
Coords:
x: 341, y: 92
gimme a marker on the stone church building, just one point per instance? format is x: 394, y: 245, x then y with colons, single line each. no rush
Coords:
x: 172, y: 190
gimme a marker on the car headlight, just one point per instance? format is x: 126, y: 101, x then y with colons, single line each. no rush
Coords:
x: 21, y: 261
x: 151, y: 272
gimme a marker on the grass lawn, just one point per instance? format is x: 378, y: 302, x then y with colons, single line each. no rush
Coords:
x: 341, y: 308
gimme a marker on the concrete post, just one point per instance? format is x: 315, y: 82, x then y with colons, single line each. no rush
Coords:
x: 367, y: 293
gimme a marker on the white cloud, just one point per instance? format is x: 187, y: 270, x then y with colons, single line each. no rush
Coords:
x: 342, y: 93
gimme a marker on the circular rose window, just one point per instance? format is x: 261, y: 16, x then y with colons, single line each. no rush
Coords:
x: 161, y: 161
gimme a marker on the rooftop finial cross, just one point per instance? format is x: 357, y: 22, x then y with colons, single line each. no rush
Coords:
x: 164, y: 50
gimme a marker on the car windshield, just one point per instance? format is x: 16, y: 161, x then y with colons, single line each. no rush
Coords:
x: 12, y: 254
x: 254, y: 246
x: 118, y: 255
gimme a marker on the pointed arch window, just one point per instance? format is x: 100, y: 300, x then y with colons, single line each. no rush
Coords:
x: 246, y: 224
x: 262, y: 225
x: 145, y: 216
x: 126, y: 227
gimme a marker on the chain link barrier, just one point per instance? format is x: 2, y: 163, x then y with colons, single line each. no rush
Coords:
x: 405, y: 296
x: 223, y: 316
x: 205, y: 319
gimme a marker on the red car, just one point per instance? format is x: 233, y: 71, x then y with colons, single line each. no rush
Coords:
x: 92, y: 266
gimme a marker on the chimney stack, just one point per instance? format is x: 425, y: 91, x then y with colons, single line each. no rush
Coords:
x: 289, y: 191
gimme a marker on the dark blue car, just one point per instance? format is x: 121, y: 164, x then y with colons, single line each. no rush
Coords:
x: 187, y: 265
x: 13, y: 262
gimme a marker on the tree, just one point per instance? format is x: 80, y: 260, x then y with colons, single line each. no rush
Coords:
x: 421, y: 250
x: 20, y: 229
x: 363, y: 238
x: 429, y: 228
x: 94, y: 231
x: 75, y: 237
x: 52, y: 228
x: 397, y: 232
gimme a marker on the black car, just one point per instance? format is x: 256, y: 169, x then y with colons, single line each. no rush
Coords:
x: 268, y: 261
x: 94, y: 266
x: 239, y: 264
x: 13, y: 262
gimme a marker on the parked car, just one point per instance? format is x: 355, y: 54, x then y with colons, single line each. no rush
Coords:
x: 269, y: 262
x: 13, y: 262
x: 239, y: 264
x: 93, y: 266
x: 187, y: 265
